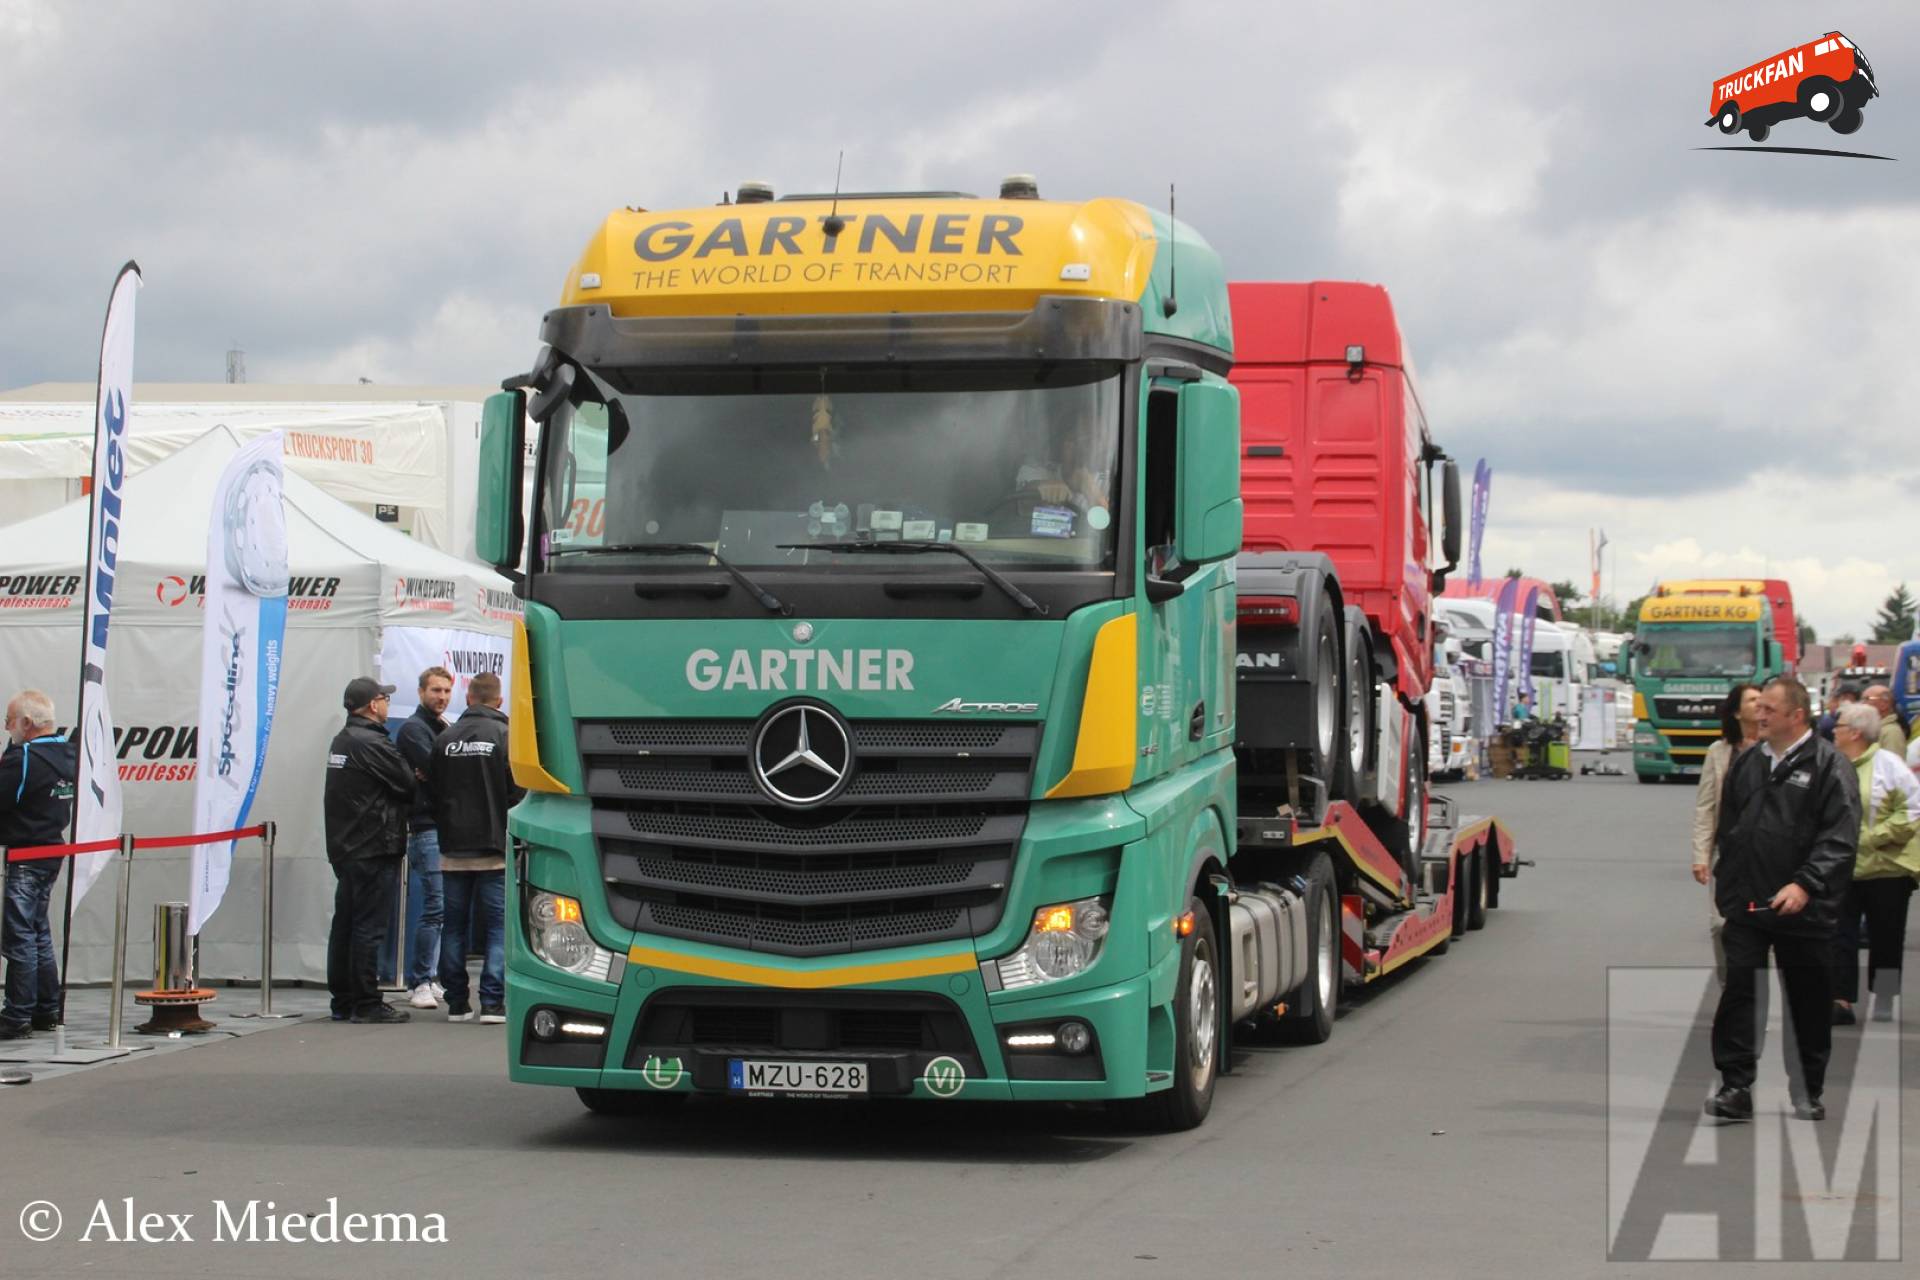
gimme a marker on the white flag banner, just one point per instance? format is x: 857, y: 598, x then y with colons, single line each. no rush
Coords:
x: 97, y: 809
x: 243, y: 636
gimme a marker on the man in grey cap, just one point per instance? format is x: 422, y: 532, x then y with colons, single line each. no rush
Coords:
x: 368, y: 795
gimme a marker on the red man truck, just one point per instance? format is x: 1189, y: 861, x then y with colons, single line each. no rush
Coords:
x: 1343, y: 557
x: 1827, y: 80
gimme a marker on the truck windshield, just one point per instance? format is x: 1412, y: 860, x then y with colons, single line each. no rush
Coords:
x: 1697, y: 651
x: 1016, y: 463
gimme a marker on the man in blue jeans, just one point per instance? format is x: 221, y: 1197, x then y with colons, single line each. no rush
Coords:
x: 472, y: 791
x: 418, y: 733
x: 37, y: 772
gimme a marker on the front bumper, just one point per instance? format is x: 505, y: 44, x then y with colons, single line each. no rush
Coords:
x: 921, y: 1018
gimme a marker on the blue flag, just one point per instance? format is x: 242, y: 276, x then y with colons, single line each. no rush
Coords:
x: 1482, y: 483
x: 1525, y: 663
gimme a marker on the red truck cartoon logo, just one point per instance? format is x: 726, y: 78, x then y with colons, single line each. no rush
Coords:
x: 1826, y: 80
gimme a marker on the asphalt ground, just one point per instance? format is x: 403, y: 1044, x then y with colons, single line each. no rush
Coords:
x: 1457, y: 1122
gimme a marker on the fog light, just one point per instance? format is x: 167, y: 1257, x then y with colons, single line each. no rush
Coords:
x: 589, y: 1030
x: 1074, y: 1037
x: 1031, y: 1040
x: 545, y: 1023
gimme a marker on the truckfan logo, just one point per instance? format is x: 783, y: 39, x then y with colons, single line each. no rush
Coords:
x: 802, y: 755
x: 1827, y: 81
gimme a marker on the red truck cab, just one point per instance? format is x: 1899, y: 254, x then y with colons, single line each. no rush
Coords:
x: 1335, y: 450
x: 1339, y: 567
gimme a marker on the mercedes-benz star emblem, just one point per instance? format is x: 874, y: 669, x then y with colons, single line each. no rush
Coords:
x: 802, y: 755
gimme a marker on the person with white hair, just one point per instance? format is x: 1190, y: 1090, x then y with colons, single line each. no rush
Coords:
x: 37, y: 773
x: 1883, y: 871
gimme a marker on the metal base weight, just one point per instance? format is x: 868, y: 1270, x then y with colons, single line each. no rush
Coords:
x: 175, y: 1011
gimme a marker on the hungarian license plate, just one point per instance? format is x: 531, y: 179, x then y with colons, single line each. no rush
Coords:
x: 758, y: 1076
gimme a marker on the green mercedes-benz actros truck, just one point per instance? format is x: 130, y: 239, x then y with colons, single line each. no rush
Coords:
x: 875, y: 693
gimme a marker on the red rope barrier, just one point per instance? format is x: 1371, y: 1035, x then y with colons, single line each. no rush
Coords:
x: 45, y: 851
x: 212, y: 837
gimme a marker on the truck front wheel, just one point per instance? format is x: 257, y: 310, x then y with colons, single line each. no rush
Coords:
x: 1820, y: 99
x: 1196, y: 1035
x: 1848, y: 121
x: 1311, y: 1019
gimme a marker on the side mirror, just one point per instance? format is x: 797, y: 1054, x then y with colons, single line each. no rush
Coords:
x: 1207, y: 520
x: 1450, y: 507
x: 499, y: 522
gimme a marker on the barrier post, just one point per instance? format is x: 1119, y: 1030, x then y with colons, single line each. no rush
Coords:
x: 268, y: 832
x: 118, y: 986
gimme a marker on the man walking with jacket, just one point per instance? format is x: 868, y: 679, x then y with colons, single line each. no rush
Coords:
x: 472, y: 791
x: 1789, y: 826
x: 424, y: 906
x: 37, y: 775
x: 369, y: 791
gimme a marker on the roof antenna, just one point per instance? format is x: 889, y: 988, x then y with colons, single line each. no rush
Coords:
x: 833, y: 224
x: 1171, y: 303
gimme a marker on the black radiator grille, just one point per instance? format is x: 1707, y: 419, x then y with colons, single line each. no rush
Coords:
x: 919, y: 847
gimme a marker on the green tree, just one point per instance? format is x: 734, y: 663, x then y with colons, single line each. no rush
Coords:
x: 1568, y: 594
x: 1807, y: 640
x: 1895, y: 622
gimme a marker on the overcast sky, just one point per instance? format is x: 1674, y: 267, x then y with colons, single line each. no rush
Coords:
x: 1709, y: 354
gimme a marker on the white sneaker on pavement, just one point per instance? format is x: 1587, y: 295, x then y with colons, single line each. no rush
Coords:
x: 439, y: 992
x: 421, y: 997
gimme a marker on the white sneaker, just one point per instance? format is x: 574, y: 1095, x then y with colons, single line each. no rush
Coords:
x: 439, y: 992
x: 421, y: 997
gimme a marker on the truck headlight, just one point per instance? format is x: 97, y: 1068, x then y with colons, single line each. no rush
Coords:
x: 1064, y: 941
x: 557, y: 933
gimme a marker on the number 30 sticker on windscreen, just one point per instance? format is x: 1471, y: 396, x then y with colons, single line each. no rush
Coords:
x: 1052, y: 522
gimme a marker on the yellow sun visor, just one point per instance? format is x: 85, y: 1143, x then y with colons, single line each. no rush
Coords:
x: 918, y: 255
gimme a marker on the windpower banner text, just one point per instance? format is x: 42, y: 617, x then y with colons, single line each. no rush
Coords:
x: 98, y: 807
x: 242, y: 640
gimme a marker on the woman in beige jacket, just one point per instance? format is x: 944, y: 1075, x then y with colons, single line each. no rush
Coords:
x: 1739, y: 729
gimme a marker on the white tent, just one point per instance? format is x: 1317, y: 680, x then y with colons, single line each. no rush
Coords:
x: 365, y: 599
x: 409, y: 449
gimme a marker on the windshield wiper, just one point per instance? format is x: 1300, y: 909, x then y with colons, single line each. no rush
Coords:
x: 767, y: 599
x: 910, y: 546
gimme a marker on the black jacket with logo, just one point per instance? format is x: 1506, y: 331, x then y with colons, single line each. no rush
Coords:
x: 1797, y: 822
x: 36, y: 792
x: 415, y: 740
x: 369, y: 791
x: 472, y: 784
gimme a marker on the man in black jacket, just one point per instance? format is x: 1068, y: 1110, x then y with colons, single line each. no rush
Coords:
x: 1789, y: 827
x: 472, y: 790
x: 37, y: 773
x: 369, y: 790
x: 425, y: 909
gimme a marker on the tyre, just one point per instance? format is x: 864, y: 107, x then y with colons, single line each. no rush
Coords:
x: 1758, y: 132
x: 1358, y: 682
x: 1729, y: 120
x: 1327, y: 758
x: 1848, y: 121
x: 1479, y: 887
x: 1310, y: 1021
x: 1196, y: 1036
x: 630, y: 1102
x: 1462, y: 890
x: 1646, y: 779
x: 1821, y: 99
x: 1404, y: 833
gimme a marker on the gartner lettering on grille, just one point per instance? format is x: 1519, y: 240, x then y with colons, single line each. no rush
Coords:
x: 802, y: 670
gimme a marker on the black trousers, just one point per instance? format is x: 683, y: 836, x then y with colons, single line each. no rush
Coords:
x: 1884, y: 902
x: 1806, y: 971
x: 363, y: 896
